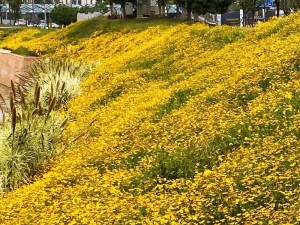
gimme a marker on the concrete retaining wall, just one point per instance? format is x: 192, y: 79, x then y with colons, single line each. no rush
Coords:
x: 12, y: 65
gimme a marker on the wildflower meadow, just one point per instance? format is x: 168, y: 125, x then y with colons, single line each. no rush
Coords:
x: 175, y: 123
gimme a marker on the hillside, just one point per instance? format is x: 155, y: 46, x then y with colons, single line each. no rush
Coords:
x: 177, y: 124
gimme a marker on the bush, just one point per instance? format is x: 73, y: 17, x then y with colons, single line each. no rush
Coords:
x: 64, y: 14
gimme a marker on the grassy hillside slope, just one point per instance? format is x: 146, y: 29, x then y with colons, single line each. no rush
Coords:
x: 178, y: 124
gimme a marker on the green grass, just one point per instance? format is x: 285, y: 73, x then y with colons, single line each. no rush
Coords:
x: 175, y: 102
x: 43, y: 32
x: 87, y: 28
x: 7, y: 31
x: 23, y: 51
x: 178, y: 164
x: 109, y: 97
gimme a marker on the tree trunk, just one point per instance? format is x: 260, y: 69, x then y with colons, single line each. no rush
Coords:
x: 277, y: 2
x: 186, y: 13
x: 188, y: 10
x: 123, y: 4
x: 111, y: 6
x: 10, y: 13
x: 159, y: 8
x: 163, y: 10
x: 244, y: 16
x: 297, y: 4
x: 177, y: 11
x: 196, y: 17
x: 285, y: 7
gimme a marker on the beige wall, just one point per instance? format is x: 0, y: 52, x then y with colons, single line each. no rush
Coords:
x: 11, y: 65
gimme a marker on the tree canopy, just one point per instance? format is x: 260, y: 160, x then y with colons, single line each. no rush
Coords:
x: 211, y: 6
x: 250, y: 5
x: 64, y: 14
x: 15, y: 6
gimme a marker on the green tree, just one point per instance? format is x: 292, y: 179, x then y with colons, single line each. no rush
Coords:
x: 234, y: 7
x: 161, y: 7
x: 211, y: 6
x: 277, y: 3
x: 15, y: 6
x: 63, y: 14
x: 249, y: 6
x: 221, y: 6
x: 203, y: 6
x: 290, y: 5
x: 1, y: 6
x: 101, y: 7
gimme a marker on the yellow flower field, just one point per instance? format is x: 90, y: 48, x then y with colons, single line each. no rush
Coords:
x: 182, y: 124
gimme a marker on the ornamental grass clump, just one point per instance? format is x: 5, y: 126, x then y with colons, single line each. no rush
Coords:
x: 58, y: 77
x: 32, y: 128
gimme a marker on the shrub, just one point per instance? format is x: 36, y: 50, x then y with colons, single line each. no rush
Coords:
x: 64, y: 14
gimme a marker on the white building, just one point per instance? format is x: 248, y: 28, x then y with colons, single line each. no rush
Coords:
x: 67, y: 2
x: 78, y: 2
